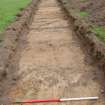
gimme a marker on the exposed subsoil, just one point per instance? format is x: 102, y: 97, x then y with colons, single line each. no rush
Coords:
x: 95, y: 8
x: 49, y: 62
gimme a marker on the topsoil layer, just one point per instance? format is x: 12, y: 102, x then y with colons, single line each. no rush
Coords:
x: 95, y: 8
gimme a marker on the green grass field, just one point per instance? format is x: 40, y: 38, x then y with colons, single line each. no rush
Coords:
x: 8, y: 11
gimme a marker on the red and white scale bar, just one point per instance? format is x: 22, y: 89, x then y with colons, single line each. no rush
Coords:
x: 59, y: 100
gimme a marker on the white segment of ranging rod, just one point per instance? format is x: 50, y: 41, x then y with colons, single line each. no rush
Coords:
x: 79, y: 99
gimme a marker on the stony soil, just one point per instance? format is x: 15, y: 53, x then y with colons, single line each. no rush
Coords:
x: 50, y: 62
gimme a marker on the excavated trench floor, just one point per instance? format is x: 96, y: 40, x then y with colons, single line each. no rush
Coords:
x: 50, y: 62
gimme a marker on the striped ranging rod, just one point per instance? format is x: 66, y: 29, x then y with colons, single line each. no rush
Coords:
x: 59, y: 100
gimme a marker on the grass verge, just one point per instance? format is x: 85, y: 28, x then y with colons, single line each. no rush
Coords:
x: 83, y: 14
x: 8, y: 11
x: 100, y: 32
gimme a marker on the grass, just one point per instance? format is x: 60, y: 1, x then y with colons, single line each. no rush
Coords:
x: 83, y: 0
x: 100, y: 32
x: 8, y: 11
x: 83, y: 14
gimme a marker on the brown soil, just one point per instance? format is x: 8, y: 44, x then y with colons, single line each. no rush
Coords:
x: 81, y: 26
x: 95, y: 8
x: 49, y: 62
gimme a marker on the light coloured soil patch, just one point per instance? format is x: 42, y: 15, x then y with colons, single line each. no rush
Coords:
x: 52, y: 63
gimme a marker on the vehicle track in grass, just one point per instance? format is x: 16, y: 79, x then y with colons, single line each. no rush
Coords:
x: 50, y: 61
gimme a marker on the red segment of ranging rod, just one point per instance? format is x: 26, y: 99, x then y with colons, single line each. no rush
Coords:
x: 40, y: 101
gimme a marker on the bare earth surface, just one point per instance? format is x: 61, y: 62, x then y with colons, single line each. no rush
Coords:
x: 50, y: 62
